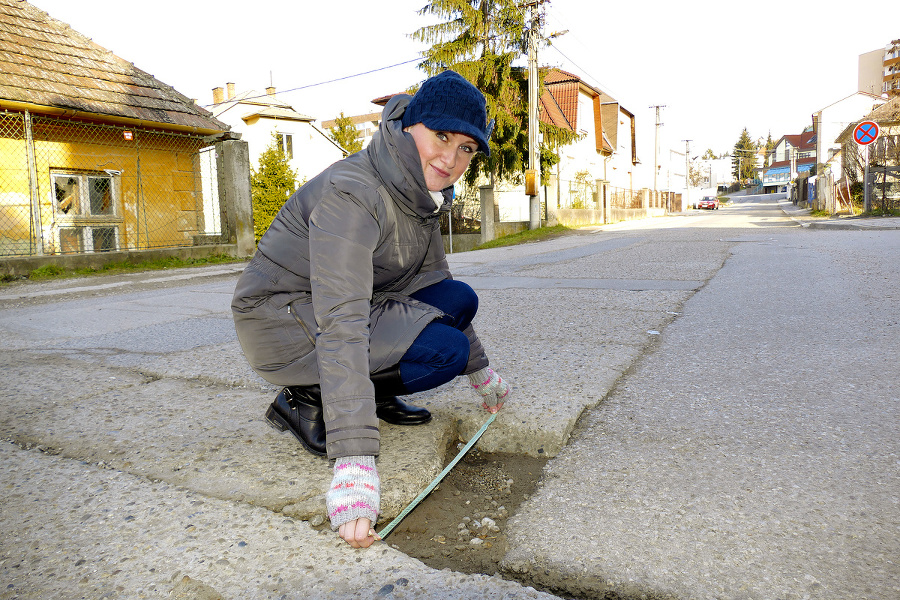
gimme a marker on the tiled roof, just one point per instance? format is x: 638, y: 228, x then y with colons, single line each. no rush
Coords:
x: 561, y: 96
x: 383, y: 100
x: 550, y: 112
x: 45, y: 63
x: 276, y: 112
x: 559, y: 106
x: 802, y: 141
x: 261, y: 105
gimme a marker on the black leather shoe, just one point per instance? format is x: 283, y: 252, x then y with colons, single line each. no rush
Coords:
x: 389, y: 408
x: 395, y: 411
x: 298, y: 409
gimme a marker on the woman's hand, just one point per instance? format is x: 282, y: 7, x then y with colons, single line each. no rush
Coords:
x: 354, y: 499
x: 359, y: 533
x: 493, y: 390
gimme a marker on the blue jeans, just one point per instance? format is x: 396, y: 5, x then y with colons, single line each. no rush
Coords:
x: 441, y: 351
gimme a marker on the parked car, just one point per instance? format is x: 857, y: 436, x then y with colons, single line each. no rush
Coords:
x: 710, y: 202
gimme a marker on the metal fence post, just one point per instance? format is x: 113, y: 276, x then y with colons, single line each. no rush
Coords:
x: 37, y: 235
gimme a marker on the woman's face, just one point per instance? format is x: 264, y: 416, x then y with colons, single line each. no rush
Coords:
x: 445, y: 155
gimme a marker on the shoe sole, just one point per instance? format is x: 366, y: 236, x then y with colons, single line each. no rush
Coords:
x: 408, y: 423
x: 278, y: 422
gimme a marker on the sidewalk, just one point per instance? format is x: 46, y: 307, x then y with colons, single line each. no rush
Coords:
x: 804, y: 217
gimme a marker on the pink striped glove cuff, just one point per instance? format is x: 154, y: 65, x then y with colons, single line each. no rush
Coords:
x: 355, y: 491
x: 492, y: 388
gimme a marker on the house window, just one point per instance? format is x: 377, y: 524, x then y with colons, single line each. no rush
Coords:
x: 85, y: 209
x: 287, y: 144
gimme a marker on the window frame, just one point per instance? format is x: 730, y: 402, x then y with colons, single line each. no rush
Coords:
x: 84, y: 222
x: 286, y: 140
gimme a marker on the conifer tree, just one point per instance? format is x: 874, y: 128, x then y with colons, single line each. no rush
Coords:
x: 743, y: 157
x: 480, y: 39
x: 345, y: 134
x: 270, y: 186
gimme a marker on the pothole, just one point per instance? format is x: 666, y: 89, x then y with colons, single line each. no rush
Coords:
x: 462, y: 524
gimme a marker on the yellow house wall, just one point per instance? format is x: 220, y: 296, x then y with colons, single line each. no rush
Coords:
x: 157, y: 195
x: 14, y: 199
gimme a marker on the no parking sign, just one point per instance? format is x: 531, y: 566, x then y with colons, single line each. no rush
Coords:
x: 865, y: 133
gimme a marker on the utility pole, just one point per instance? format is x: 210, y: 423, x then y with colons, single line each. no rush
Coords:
x: 533, y: 175
x: 687, y: 172
x: 656, y: 145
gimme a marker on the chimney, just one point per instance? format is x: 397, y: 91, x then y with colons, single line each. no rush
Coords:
x: 218, y: 94
x: 230, y: 90
x: 270, y: 90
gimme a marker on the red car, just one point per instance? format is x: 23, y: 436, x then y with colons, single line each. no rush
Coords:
x: 710, y: 202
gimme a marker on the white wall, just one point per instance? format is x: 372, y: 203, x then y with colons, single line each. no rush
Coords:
x: 836, y: 117
x: 620, y: 171
x: 312, y: 152
x: 582, y: 155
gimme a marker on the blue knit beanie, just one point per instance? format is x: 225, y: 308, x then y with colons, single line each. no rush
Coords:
x: 448, y: 102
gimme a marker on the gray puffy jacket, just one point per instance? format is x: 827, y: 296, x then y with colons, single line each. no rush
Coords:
x: 325, y: 299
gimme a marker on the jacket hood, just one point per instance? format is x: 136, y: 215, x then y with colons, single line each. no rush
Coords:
x: 396, y: 160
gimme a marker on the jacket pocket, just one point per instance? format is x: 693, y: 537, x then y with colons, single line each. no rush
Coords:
x: 302, y: 311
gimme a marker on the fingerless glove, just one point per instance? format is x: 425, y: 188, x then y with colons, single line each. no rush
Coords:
x: 490, y: 386
x: 355, y: 491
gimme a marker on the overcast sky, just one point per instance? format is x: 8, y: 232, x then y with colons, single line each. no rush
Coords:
x: 716, y: 66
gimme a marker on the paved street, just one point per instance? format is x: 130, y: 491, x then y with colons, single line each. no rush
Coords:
x: 716, y: 392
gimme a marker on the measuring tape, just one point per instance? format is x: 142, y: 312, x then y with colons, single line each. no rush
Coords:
x: 386, y: 531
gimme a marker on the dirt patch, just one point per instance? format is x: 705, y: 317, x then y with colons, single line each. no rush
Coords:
x: 461, y: 525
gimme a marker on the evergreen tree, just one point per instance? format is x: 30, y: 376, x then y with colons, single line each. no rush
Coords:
x: 743, y: 157
x: 480, y: 39
x: 270, y: 186
x: 345, y: 134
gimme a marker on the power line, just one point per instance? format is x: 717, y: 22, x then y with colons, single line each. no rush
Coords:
x: 312, y: 85
x: 555, y: 14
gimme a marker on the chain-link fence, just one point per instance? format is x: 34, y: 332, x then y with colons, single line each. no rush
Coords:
x: 73, y: 187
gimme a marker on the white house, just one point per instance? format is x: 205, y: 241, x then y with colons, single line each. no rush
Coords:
x: 830, y: 122
x: 834, y: 118
x: 257, y: 116
x: 606, y: 148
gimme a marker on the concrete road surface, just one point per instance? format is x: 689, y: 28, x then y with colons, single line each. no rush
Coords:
x: 716, y: 391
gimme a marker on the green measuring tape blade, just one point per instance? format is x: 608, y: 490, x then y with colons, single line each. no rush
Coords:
x: 386, y: 531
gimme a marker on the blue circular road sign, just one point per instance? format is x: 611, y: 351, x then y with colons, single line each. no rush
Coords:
x: 865, y: 133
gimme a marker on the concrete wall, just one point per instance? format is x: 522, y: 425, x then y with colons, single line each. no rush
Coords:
x: 463, y: 242
x: 22, y: 266
x: 579, y: 217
